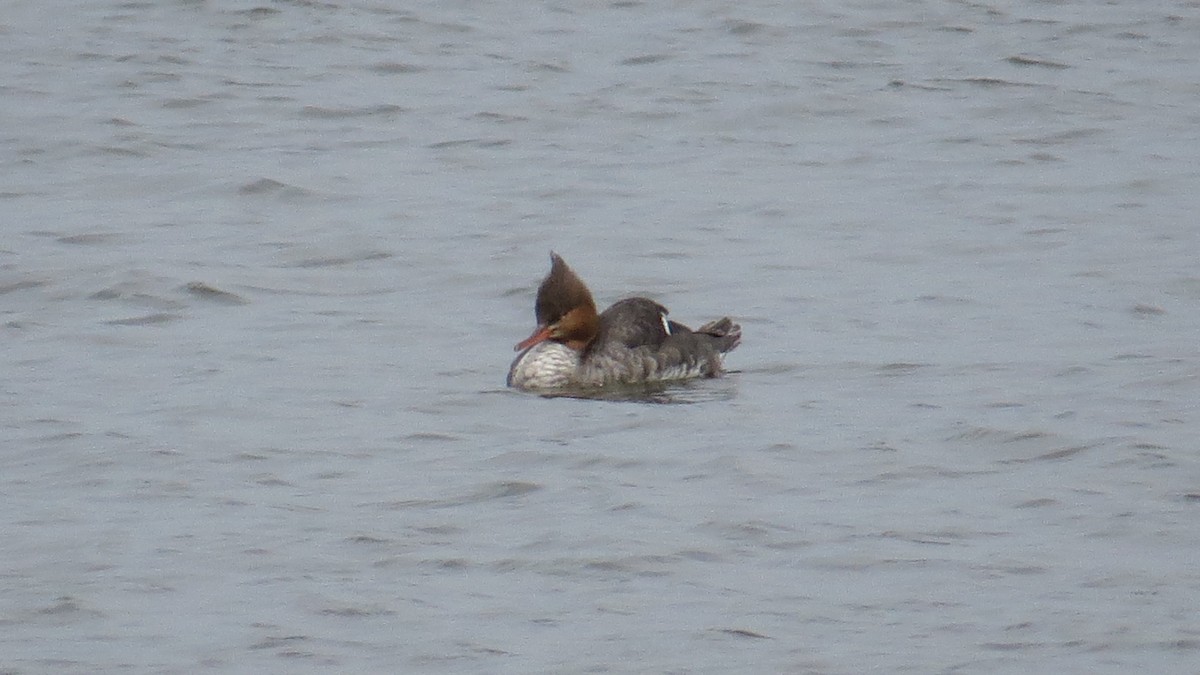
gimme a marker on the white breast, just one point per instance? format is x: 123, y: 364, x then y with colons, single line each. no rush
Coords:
x: 546, y: 365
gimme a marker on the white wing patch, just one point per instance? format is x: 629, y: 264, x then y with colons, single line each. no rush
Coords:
x: 666, y: 324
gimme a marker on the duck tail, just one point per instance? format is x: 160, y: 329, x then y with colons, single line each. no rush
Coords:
x: 725, y: 333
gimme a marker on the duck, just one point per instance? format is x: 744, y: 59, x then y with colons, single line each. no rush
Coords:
x: 630, y: 343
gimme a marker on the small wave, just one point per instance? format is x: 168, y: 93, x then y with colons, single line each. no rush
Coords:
x: 88, y: 239
x: 267, y: 186
x: 338, y: 261
x: 206, y: 292
x: 20, y: 286
x: 396, y: 67
x: 147, y: 320
x: 323, y: 112
x: 1040, y: 63
x: 483, y: 493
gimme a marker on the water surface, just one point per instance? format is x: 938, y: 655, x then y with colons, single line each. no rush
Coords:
x: 264, y: 264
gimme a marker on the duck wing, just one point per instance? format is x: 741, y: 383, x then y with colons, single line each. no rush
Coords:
x: 636, y: 342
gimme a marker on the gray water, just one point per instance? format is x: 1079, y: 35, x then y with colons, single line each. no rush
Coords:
x: 263, y: 264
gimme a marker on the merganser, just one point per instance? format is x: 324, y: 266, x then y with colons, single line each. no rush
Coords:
x: 632, y: 342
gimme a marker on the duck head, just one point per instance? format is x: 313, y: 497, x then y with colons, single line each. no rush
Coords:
x: 564, y: 310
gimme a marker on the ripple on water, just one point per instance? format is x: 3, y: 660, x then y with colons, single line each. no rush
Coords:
x: 268, y: 186
x: 145, y: 320
x: 674, y: 393
x: 212, y: 294
x: 482, y: 493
